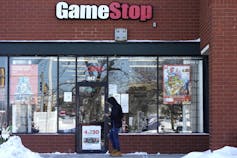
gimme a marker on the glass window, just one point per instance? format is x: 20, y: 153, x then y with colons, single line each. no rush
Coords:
x: 33, y: 94
x: 157, y: 94
x: 3, y: 91
x: 180, y: 97
x: 91, y: 69
x: 67, y: 94
x: 133, y: 82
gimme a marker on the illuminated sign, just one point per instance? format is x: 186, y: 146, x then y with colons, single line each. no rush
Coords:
x: 113, y: 11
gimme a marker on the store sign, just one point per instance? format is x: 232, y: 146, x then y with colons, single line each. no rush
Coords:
x: 91, y: 137
x: 113, y: 11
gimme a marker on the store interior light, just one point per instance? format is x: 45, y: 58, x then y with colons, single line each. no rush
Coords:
x: 71, y: 65
x: 31, y: 58
x: 143, y: 66
x: 79, y: 75
x: 67, y: 59
x: 143, y: 59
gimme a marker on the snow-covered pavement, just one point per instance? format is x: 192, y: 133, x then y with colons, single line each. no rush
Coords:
x: 130, y: 155
x: 14, y: 148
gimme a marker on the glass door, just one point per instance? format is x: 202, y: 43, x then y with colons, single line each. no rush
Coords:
x: 92, y: 125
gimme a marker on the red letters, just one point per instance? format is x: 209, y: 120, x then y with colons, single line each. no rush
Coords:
x: 146, y: 12
x: 134, y: 12
x: 115, y: 13
x: 124, y: 11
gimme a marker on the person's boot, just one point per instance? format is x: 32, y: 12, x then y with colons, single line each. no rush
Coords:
x: 112, y: 151
x: 116, y: 154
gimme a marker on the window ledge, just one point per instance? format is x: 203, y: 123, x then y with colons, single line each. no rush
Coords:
x: 166, y: 134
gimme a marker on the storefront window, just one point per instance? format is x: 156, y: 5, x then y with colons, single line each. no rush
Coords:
x: 67, y: 94
x: 157, y: 94
x: 3, y: 92
x: 180, y: 97
x: 91, y: 69
x: 33, y: 94
x: 133, y: 82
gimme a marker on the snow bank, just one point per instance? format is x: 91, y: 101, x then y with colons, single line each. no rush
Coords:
x: 137, y: 153
x: 225, y: 152
x: 14, y: 148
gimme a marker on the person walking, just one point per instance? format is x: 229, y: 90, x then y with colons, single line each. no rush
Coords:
x: 116, y: 123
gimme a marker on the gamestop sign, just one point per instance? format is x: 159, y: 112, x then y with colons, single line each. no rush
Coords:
x: 112, y: 11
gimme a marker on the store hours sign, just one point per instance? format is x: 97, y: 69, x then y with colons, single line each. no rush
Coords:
x: 114, y: 11
x: 91, y: 137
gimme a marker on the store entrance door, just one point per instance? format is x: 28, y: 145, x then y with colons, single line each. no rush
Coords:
x: 92, y: 126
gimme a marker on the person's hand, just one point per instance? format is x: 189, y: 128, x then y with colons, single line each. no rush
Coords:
x: 107, y: 114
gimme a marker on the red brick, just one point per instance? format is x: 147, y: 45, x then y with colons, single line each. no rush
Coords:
x: 36, y: 20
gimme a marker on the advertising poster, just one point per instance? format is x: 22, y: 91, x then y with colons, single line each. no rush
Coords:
x: 2, y: 77
x: 176, y: 84
x: 91, y: 137
x: 24, y: 83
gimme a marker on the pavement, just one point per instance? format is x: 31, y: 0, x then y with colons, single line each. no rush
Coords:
x: 72, y: 155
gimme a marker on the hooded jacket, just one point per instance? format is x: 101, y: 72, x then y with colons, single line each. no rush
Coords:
x: 116, y: 113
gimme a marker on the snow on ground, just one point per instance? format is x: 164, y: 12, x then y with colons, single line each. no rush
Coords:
x: 225, y: 152
x: 138, y: 153
x: 13, y: 148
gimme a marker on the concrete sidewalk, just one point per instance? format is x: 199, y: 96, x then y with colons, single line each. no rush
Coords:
x: 63, y: 155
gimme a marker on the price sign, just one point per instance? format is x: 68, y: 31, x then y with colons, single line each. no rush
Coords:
x: 91, y: 137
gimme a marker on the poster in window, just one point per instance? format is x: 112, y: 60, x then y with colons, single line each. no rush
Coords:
x: 24, y: 83
x: 67, y: 97
x: 2, y: 77
x: 176, y: 84
x: 91, y: 137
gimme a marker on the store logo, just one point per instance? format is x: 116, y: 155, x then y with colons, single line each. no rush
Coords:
x: 114, y: 11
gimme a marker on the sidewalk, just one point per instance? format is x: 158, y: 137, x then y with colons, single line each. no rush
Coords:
x: 63, y: 155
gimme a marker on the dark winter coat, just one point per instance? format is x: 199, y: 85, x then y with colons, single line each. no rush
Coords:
x: 116, y: 113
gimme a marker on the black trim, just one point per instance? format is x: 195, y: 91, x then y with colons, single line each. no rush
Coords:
x: 100, y: 48
x: 206, y: 94
x: 158, y: 92
x: 79, y: 126
x: 9, y: 109
x: 57, y: 105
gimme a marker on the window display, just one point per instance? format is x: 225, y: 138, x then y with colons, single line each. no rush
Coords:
x: 91, y: 69
x: 133, y: 82
x: 157, y: 94
x: 3, y: 91
x: 180, y: 100
x: 33, y: 94
x: 67, y: 95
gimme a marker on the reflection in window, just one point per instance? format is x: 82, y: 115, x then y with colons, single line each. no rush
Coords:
x: 133, y: 82
x: 67, y: 94
x: 180, y: 83
x: 91, y: 69
x: 33, y: 93
x: 3, y: 91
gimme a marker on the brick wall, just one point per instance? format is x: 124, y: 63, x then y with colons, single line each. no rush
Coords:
x: 223, y: 74
x: 164, y: 144
x: 49, y: 143
x: 205, y: 22
x: 129, y: 143
x: 36, y: 20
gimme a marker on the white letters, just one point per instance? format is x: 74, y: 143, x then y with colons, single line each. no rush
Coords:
x: 73, y: 12
x: 103, y: 12
x: 114, y: 11
x: 88, y: 12
x: 61, y: 10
